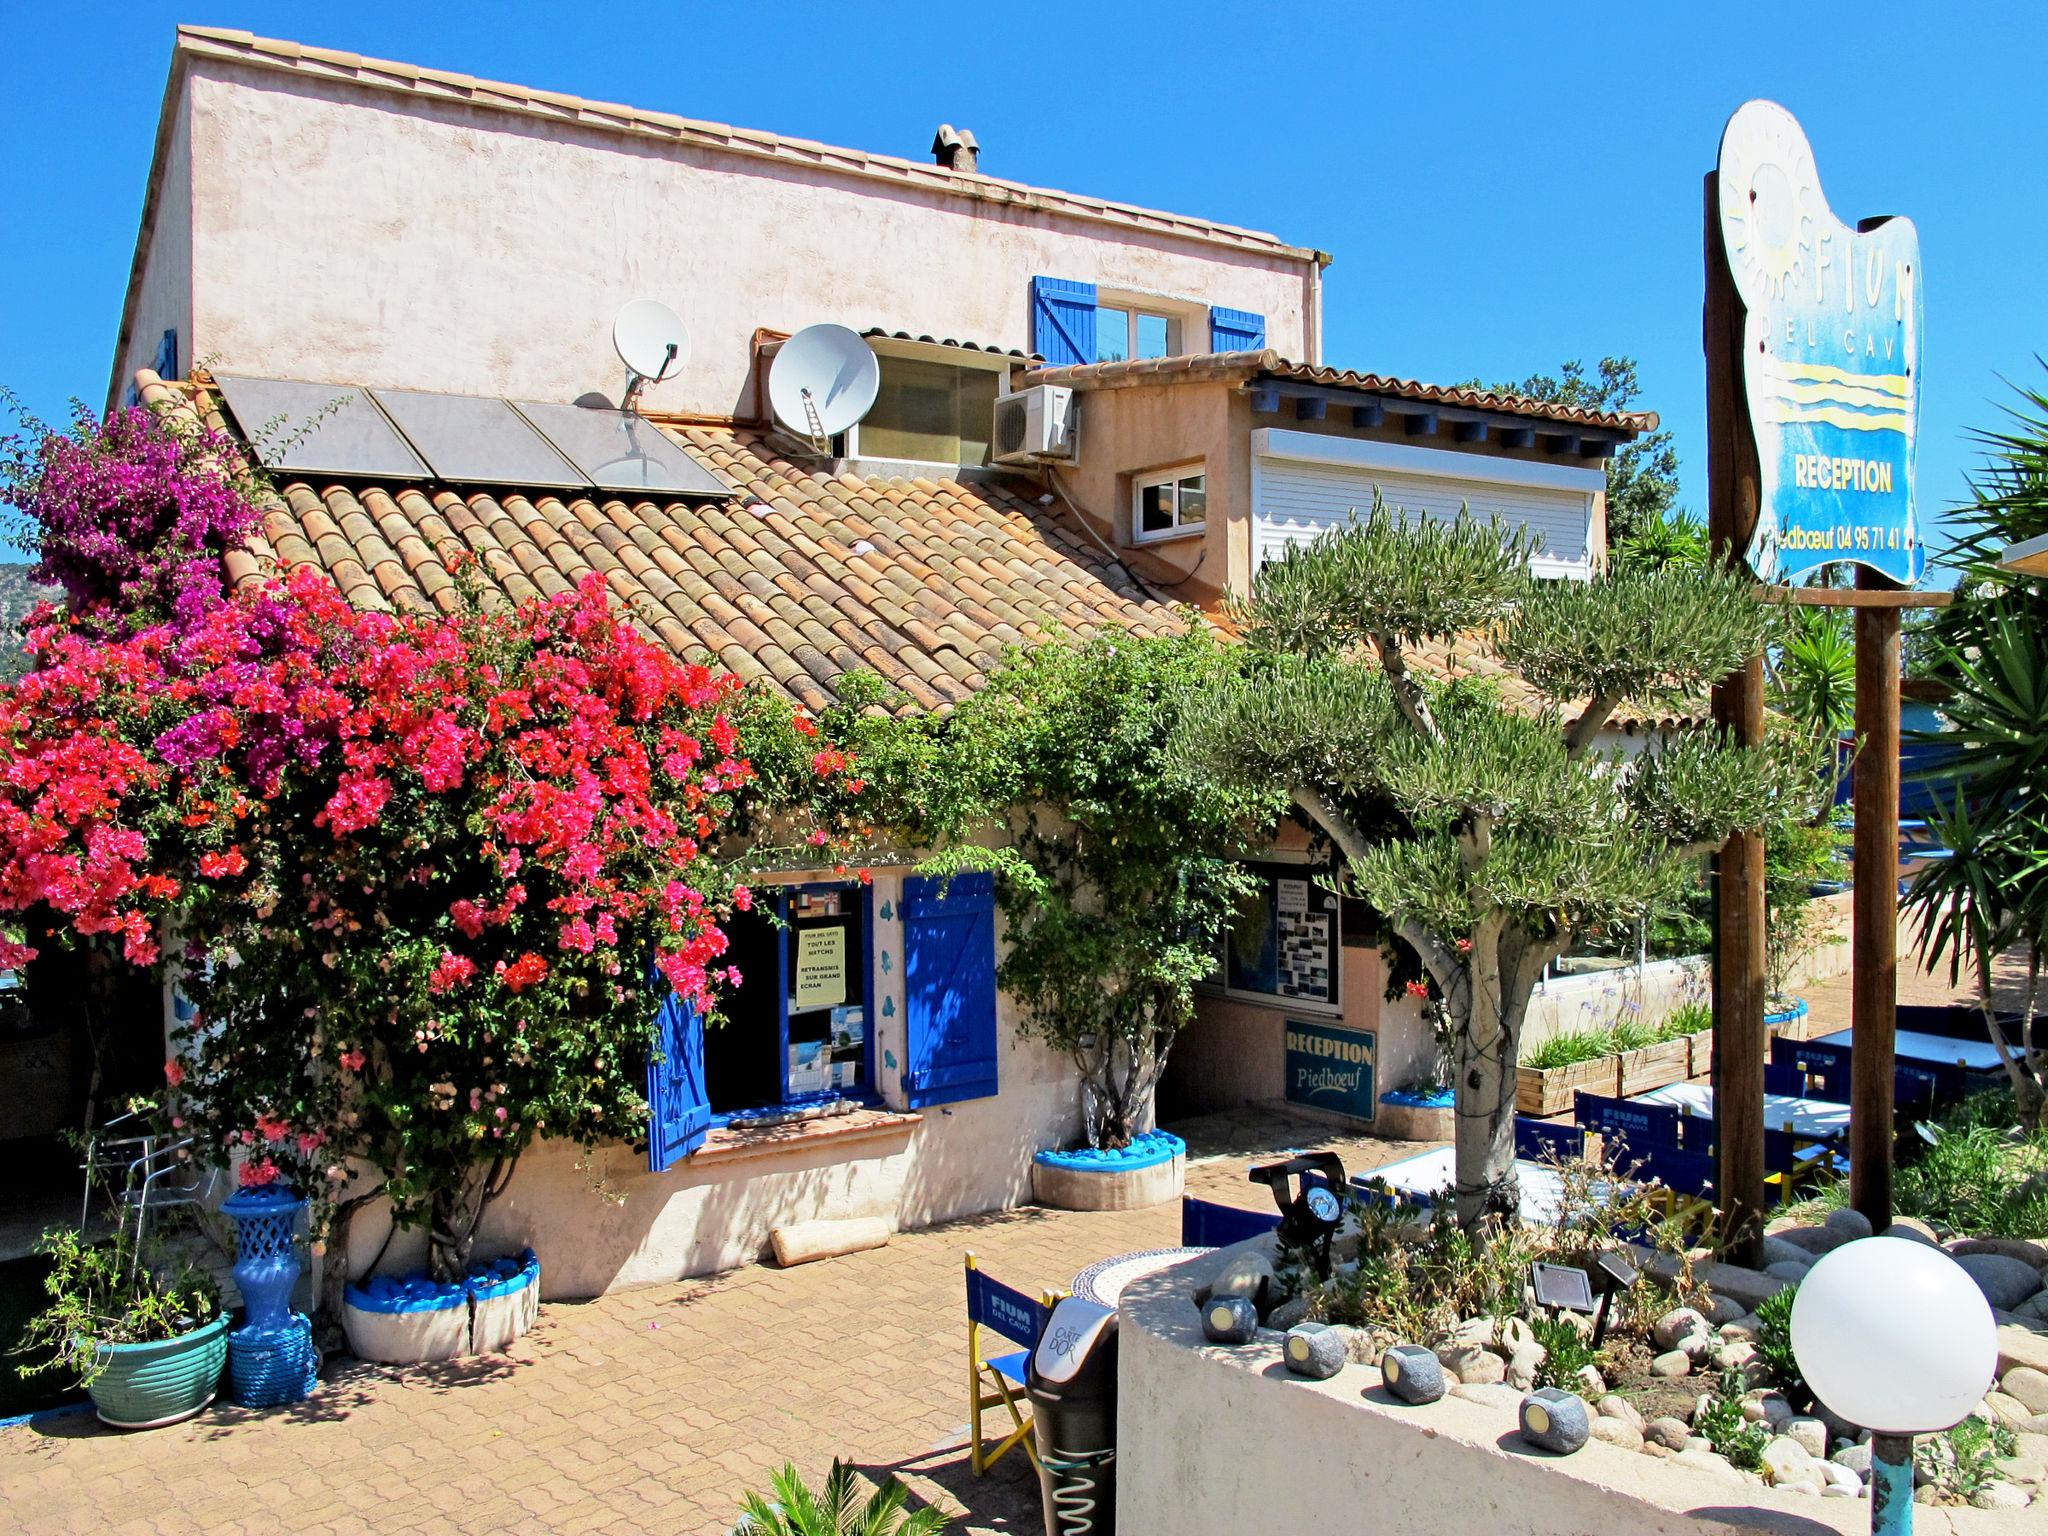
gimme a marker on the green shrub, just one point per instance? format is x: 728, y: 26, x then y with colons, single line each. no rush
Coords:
x: 1963, y: 1461
x: 796, y: 1510
x: 104, y: 1292
x: 1720, y: 1420
x: 1566, y: 1353
x: 1774, y: 1348
x: 1978, y: 1175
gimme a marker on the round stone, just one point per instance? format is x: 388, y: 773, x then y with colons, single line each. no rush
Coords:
x: 1229, y: 1319
x: 1614, y: 1406
x: 1676, y: 1326
x: 2004, y: 1280
x: 1853, y: 1458
x: 1671, y: 1433
x: 1290, y: 1312
x: 1999, y: 1496
x: 1814, y: 1240
x: 1617, y: 1433
x: 1556, y: 1420
x: 1474, y: 1364
x: 1811, y: 1434
x: 1314, y: 1350
x: 1848, y: 1221
x: 1789, y: 1270
x: 1412, y: 1373
x: 1785, y: 1460
x: 2028, y: 1386
x: 1671, y: 1365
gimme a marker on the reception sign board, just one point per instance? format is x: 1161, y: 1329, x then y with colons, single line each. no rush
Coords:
x: 1831, y: 358
x: 1331, y: 1068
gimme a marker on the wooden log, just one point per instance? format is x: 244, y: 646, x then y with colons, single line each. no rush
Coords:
x: 803, y: 1241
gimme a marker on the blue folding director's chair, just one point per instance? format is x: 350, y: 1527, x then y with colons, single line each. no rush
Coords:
x: 1538, y: 1140
x: 997, y: 1380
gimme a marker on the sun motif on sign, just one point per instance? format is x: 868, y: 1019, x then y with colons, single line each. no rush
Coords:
x: 1770, y: 196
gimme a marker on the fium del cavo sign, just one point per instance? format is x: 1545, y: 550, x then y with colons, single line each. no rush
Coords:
x: 1831, y: 358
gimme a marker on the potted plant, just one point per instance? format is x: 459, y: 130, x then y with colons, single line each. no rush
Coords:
x: 141, y: 1331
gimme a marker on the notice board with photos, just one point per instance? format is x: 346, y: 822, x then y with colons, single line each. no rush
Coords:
x: 1284, y: 944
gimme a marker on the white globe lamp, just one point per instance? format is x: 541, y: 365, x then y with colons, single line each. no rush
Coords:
x: 1895, y: 1336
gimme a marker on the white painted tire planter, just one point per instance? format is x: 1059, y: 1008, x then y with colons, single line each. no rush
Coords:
x: 1408, y: 1114
x: 1150, y: 1171
x: 409, y: 1320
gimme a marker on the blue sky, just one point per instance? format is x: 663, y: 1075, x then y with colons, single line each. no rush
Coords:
x: 1503, y: 186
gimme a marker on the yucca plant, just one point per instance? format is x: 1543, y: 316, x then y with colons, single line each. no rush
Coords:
x: 797, y: 1510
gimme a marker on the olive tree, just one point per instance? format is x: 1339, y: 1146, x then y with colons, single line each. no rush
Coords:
x: 1482, y: 818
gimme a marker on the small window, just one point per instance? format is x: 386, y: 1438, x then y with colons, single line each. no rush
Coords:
x: 1124, y: 333
x: 1169, y: 503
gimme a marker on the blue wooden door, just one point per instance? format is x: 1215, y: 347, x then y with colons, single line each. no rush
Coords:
x: 678, y: 1109
x: 949, y: 983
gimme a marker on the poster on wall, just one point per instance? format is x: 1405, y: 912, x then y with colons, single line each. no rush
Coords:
x: 820, y: 967
x: 1831, y: 358
x: 1283, y: 943
x: 1330, y: 1068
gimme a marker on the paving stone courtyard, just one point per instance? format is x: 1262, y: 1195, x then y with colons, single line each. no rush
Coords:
x: 650, y: 1411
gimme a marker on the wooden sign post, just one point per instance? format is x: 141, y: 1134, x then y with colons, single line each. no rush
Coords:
x: 1733, y: 499
x: 1812, y: 340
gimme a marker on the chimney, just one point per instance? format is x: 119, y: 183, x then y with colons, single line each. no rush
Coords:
x: 955, y: 149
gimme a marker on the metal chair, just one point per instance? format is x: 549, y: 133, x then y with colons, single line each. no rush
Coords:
x: 145, y: 1170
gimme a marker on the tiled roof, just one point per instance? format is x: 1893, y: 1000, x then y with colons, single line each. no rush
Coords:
x: 803, y: 576
x: 1270, y: 364
x: 557, y: 106
x: 878, y: 333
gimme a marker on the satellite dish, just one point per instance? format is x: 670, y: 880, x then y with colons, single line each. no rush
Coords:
x: 822, y: 381
x: 652, y: 341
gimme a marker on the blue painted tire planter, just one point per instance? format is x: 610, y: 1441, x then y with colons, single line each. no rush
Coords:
x: 408, y: 1319
x: 1416, y: 1114
x: 143, y: 1386
x: 1150, y: 1171
x: 1778, y: 1018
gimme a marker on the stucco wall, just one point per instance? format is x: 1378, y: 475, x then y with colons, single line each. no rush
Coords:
x: 1216, y: 1439
x: 163, y: 286
x: 600, y: 1221
x: 343, y: 234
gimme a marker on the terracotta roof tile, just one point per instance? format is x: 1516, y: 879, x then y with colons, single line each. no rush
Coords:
x: 1208, y: 366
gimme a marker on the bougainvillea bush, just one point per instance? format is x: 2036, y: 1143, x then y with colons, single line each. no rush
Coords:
x: 419, y: 871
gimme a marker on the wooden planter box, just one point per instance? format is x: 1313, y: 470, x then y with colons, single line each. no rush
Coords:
x: 1655, y: 1066
x: 1549, y: 1090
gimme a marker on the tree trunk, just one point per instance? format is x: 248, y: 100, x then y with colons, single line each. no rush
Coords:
x: 1485, y: 1147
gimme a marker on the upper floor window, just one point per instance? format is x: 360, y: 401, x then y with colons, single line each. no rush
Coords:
x: 1169, y: 502
x: 1123, y: 333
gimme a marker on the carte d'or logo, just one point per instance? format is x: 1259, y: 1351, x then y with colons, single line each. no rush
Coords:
x: 1831, y: 358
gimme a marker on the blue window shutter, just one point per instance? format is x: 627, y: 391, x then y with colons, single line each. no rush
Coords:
x: 949, y: 983
x: 678, y: 1108
x: 1236, y: 330
x: 166, y: 364
x: 1062, y: 321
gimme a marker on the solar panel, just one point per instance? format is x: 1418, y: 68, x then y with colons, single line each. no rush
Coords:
x: 622, y: 451
x: 333, y: 429
x: 473, y: 439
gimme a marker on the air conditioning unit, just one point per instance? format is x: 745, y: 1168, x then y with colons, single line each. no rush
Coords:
x: 1036, y: 425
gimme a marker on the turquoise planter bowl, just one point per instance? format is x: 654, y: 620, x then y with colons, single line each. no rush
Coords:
x: 146, y: 1385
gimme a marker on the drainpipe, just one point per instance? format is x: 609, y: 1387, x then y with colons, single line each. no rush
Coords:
x: 1312, y: 307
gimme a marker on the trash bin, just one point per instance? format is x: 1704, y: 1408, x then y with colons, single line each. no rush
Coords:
x: 1072, y: 1385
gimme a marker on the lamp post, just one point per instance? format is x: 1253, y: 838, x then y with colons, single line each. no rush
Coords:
x: 1894, y: 1335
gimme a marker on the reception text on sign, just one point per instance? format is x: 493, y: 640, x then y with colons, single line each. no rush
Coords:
x: 1331, y: 1068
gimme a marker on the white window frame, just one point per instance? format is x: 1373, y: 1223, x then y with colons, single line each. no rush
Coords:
x: 1179, y: 314
x: 1173, y: 476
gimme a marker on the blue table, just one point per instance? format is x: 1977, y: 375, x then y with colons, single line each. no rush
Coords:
x: 1940, y: 1050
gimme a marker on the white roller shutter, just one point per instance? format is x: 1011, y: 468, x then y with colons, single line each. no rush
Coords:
x: 1304, y: 484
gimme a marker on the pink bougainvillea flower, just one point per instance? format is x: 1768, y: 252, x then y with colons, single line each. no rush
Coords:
x: 256, y: 1173
x: 174, y: 1072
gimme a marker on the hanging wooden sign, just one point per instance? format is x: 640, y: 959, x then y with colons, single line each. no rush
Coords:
x: 1831, y: 359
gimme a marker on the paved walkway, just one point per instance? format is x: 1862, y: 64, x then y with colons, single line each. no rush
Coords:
x: 650, y: 1411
